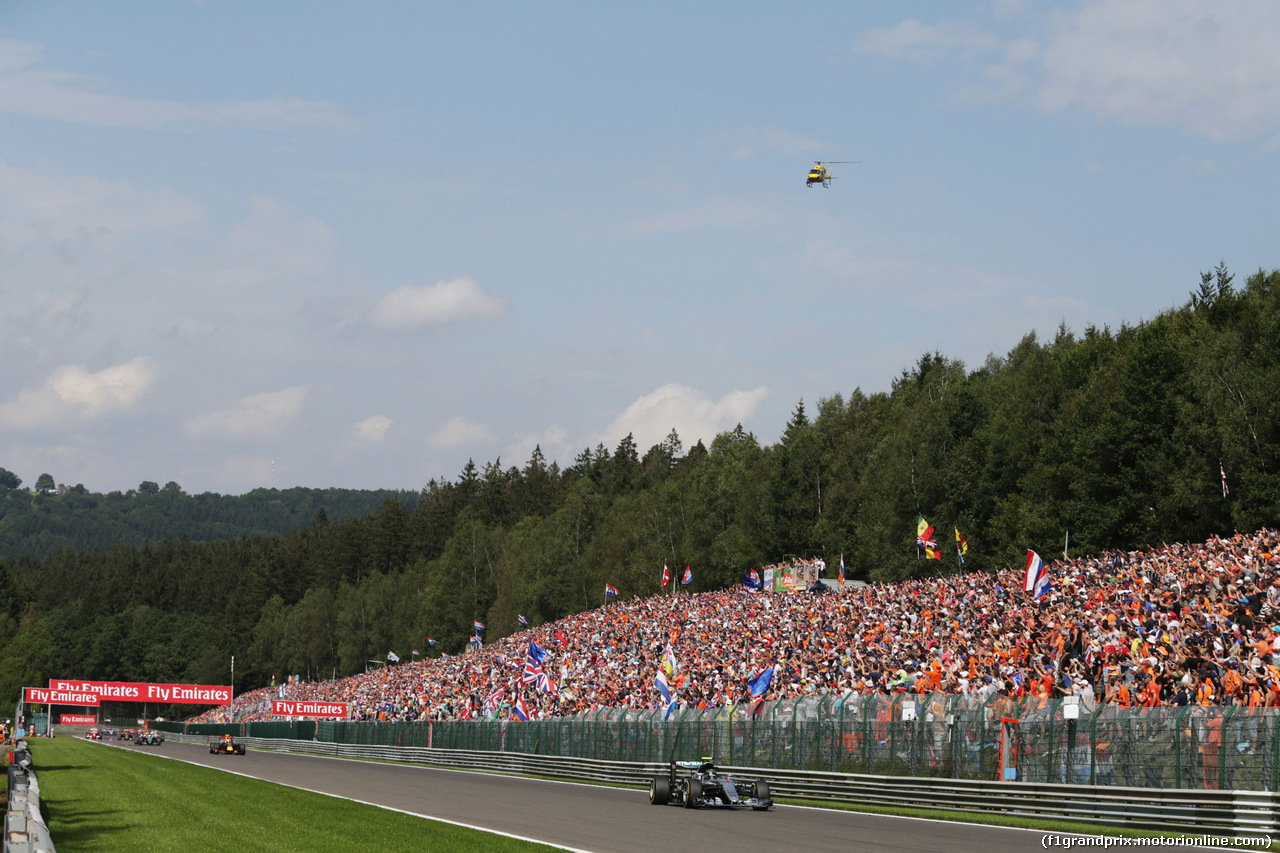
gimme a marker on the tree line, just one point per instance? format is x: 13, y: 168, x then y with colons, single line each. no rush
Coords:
x: 1117, y: 436
x: 40, y: 522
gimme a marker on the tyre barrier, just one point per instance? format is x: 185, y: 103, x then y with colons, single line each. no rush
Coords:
x: 1239, y: 814
x: 24, y: 828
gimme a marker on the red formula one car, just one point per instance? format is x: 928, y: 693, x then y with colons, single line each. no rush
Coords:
x: 225, y: 745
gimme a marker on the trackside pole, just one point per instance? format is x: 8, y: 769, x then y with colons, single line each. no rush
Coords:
x: 1008, y: 749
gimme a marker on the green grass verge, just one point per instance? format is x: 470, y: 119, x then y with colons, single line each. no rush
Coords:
x: 95, y: 798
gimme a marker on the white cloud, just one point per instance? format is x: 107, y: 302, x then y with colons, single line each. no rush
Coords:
x: 552, y: 441
x: 72, y: 393
x: 1210, y: 67
x: 915, y: 40
x: 273, y: 242
x: 29, y: 87
x: 691, y: 413
x: 259, y: 415
x: 61, y: 206
x: 459, y: 432
x: 373, y: 429
x: 409, y: 307
x: 1207, y: 67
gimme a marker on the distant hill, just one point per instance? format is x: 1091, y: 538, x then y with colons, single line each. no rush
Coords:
x: 37, y: 525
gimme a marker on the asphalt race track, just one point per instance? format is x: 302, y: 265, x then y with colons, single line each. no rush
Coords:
x: 599, y: 819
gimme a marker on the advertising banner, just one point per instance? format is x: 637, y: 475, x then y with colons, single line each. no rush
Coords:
x: 136, y: 691
x: 289, y: 708
x: 44, y: 696
x: 78, y: 719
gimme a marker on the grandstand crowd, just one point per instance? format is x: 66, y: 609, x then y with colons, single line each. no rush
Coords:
x: 1194, y: 624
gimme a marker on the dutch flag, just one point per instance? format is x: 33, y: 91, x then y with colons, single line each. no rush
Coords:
x: 1037, y: 577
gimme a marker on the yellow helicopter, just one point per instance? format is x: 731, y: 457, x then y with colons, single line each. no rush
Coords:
x: 819, y: 174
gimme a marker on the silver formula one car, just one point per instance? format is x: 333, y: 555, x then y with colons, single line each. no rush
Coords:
x: 697, y: 783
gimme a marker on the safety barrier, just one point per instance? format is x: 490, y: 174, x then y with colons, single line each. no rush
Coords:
x: 1213, y: 812
x: 24, y: 827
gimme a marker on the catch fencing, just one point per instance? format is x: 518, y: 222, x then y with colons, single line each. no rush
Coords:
x: 939, y: 736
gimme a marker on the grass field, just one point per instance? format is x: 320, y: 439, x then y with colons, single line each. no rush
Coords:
x: 96, y: 798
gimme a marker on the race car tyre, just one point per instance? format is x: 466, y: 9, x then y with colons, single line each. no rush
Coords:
x: 660, y: 791
x: 762, y: 793
x: 693, y: 794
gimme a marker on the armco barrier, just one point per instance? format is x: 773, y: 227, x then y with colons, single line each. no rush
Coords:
x: 24, y: 827
x: 1223, y: 813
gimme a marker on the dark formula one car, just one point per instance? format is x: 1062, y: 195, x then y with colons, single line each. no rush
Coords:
x: 701, y: 785
x: 149, y: 738
x: 225, y: 745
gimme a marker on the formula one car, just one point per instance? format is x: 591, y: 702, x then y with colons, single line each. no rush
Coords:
x: 702, y: 786
x: 225, y: 745
x: 149, y: 738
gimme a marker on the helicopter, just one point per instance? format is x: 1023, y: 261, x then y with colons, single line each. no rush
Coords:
x: 819, y: 174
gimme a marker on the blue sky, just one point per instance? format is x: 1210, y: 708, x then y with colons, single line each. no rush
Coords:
x: 341, y: 244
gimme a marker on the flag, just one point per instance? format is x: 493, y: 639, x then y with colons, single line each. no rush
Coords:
x: 1223, y: 472
x: 669, y: 660
x: 479, y: 626
x: 760, y: 683
x: 665, y: 689
x: 1037, y: 577
x: 610, y: 591
x: 842, y: 570
x: 924, y: 539
x: 493, y: 701
x: 544, y: 683
x: 560, y: 638
x: 532, y: 670
x: 522, y: 620
x: 536, y: 652
x: 962, y: 547
x: 688, y: 576
x: 666, y: 575
x: 751, y: 579
x: 519, y: 710
x: 1043, y: 587
x: 431, y: 642
x: 415, y: 653
x: 475, y: 640
x: 661, y: 683
x: 393, y: 657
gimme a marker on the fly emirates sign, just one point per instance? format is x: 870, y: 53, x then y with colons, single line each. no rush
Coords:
x: 285, y: 708
x: 41, y: 696
x: 135, y: 691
